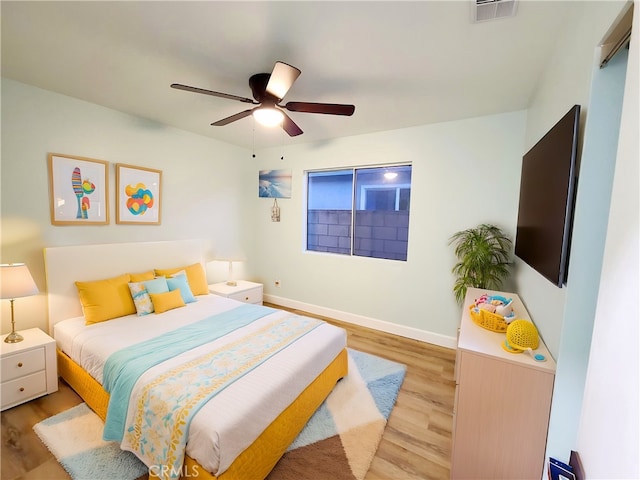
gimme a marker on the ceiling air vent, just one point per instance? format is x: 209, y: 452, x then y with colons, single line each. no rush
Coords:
x: 484, y: 10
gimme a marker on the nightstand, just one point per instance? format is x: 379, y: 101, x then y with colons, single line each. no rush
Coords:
x: 28, y: 368
x: 247, y: 292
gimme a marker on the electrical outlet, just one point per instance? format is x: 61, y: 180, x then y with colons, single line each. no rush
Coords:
x: 277, y: 283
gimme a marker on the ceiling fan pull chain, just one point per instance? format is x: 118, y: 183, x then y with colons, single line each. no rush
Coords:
x: 253, y: 138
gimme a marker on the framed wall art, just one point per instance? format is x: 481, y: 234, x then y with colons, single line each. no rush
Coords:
x: 274, y: 184
x: 138, y: 195
x: 78, y: 190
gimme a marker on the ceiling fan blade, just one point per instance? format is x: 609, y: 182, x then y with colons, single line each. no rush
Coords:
x: 326, y: 108
x: 290, y: 126
x: 232, y: 118
x: 281, y: 79
x: 212, y: 93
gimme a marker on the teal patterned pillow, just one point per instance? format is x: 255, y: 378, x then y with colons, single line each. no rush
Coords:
x: 141, y: 298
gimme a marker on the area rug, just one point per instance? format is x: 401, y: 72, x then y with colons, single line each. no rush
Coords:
x: 338, y: 442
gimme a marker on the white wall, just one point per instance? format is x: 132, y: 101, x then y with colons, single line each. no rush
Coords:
x: 587, y: 250
x: 565, y: 317
x: 566, y: 82
x: 608, y: 438
x: 206, y: 183
x: 464, y: 173
x: 210, y: 191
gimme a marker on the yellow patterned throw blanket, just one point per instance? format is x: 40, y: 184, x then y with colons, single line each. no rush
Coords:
x: 160, y: 412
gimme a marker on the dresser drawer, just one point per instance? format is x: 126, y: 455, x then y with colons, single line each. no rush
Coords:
x: 22, y: 389
x: 22, y: 363
x: 249, y: 296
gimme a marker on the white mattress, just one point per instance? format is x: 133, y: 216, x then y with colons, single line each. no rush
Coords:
x: 234, y: 418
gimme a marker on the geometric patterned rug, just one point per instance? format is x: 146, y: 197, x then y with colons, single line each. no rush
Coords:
x: 74, y: 437
x: 341, y: 439
x: 338, y: 443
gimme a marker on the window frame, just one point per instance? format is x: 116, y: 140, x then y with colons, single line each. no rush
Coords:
x: 354, y: 207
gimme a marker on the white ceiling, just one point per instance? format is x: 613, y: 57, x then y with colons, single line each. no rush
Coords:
x: 400, y: 63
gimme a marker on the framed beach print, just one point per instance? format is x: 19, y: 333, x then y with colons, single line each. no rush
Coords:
x: 138, y: 195
x: 274, y: 184
x: 78, y: 190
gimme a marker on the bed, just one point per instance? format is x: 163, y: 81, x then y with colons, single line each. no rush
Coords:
x: 240, y: 430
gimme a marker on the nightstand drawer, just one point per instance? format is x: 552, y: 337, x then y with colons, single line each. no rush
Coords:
x: 22, y: 389
x: 22, y: 363
x: 249, y: 296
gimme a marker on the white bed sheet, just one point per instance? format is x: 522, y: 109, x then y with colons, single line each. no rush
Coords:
x: 234, y: 418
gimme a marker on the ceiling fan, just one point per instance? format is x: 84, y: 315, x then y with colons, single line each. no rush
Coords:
x: 268, y: 90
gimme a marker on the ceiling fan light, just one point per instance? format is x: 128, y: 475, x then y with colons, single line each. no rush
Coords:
x: 268, y: 116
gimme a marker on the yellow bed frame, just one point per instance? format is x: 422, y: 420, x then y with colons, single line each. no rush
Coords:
x: 68, y: 264
x: 262, y: 455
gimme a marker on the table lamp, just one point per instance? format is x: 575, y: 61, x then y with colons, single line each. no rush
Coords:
x: 15, y: 282
x: 230, y: 281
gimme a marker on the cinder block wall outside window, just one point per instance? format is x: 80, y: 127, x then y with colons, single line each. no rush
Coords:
x: 380, y: 234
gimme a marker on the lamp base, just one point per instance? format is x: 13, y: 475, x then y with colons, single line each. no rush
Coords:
x: 232, y: 283
x: 14, y: 337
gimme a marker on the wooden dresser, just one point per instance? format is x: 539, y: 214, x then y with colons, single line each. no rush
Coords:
x: 502, y: 403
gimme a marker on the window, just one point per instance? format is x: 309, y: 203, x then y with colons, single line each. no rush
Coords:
x: 360, y: 211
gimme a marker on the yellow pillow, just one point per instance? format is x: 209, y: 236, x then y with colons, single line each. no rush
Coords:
x: 166, y: 301
x: 141, y: 277
x: 195, y: 276
x: 106, y: 299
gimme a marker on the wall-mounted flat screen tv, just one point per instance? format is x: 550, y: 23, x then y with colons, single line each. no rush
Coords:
x: 547, y: 194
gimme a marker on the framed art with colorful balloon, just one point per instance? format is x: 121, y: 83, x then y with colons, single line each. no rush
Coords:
x: 78, y: 190
x: 138, y: 195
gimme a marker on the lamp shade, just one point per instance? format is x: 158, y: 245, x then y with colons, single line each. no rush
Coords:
x: 16, y: 281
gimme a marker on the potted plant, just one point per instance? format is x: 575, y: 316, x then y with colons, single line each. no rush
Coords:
x: 483, y: 254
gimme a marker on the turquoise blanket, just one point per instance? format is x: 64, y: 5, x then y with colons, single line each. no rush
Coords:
x: 123, y: 368
x: 161, y: 410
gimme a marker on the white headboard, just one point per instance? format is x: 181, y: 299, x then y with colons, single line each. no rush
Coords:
x: 66, y: 265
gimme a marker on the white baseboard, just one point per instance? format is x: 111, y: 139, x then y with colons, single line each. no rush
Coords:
x: 388, y: 327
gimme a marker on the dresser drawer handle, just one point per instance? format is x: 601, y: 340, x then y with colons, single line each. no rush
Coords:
x: 19, y: 364
x: 246, y: 298
x: 22, y: 389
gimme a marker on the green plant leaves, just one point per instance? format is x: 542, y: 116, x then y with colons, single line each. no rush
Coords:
x: 484, y: 257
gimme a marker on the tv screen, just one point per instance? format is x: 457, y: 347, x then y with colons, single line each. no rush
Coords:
x: 547, y: 187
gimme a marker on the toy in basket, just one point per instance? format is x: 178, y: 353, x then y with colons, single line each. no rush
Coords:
x: 492, y: 312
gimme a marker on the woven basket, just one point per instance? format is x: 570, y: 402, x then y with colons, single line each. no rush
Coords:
x: 488, y: 320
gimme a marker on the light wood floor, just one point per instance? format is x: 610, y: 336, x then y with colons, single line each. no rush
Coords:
x: 416, y: 444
